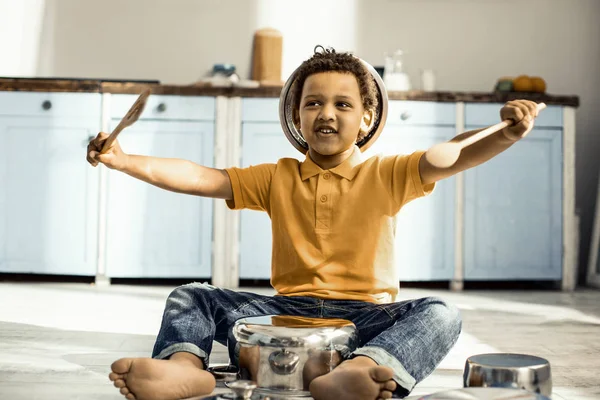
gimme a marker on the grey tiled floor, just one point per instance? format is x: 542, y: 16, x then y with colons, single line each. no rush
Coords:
x: 57, y: 340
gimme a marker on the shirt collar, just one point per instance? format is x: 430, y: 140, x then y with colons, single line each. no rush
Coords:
x: 346, y: 169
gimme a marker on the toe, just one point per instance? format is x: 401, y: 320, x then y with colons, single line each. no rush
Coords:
x: 381, y: 374
x: 390, y: 385
x: 122, y: 366
x: 385, y: 394
x: 119, y: 383
x: 130, y: 396
x: 124, y: 391
x: 113, y: 377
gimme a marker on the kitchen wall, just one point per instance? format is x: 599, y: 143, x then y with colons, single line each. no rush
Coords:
x: 469, y: 44
x: 20, y: 36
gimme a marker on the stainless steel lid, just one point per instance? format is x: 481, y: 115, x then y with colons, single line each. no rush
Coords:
x: 485, y: 394
x: 290, y: 331
x: 507, y: 370
x: 508, y: 360
x: 295, y: 136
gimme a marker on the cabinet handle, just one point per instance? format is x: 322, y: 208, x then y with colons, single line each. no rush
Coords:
x: 46, y: 105
x: 405, y: 115
x: 162, y: 107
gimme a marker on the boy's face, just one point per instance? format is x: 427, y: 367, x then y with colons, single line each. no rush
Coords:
x: 331, y: 113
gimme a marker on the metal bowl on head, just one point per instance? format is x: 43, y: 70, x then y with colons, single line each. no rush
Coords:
x: 504, y: 370
x: 283, y: 354
x: 286, y: 113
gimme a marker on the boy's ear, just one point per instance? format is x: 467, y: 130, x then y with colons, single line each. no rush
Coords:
x: 365, y: 124
x: 296, y: 118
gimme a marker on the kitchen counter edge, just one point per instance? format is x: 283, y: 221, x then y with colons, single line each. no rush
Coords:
x: 94, y: 86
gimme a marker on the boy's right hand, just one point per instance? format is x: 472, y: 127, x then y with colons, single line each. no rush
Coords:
x: 114, y: 158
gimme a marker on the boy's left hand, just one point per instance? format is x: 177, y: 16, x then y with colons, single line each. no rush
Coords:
x: 522, y: 113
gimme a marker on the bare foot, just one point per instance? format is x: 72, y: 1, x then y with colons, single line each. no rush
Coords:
x: 357, y: 379
x: 319, y: 363
x: 150, y: 379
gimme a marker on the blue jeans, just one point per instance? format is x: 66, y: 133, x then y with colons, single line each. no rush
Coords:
x: 411, y: 337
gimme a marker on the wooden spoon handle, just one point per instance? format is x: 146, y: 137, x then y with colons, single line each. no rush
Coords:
x: 113, y: 136
x: 444, y: 155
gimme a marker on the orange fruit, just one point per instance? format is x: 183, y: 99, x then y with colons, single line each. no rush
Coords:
x: 539, y: 85
x: 522, y: 83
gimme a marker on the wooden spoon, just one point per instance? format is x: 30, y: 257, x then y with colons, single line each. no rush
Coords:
x: 445, y: 154
x: 132, y: 115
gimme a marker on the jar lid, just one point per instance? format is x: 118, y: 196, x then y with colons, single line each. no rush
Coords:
x: 291, y: 331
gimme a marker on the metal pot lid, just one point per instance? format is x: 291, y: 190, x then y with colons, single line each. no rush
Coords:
x: 508, y: 360
x: 485, y: 394
x: 295, y: 136
x: 290, y: 331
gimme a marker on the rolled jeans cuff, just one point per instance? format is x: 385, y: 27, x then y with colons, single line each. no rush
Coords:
x: 183, y: 347
x: 382, y: 357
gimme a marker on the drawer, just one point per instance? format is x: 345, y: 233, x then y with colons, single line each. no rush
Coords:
x: 477, y: 115
x: 50, y: 104
x: 163, y: 107
x: 421, y: 113
x: 260, y: 110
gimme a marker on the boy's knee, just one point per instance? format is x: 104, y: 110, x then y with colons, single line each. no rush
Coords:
x: 447, y: 314
x: 454, y: 317
x: 186, y: 293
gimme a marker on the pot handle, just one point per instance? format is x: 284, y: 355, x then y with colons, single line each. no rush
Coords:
x: 242, y: 389
x: 224, y: 373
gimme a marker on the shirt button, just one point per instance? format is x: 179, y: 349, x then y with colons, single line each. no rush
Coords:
x: 323, y: 199
x: 326, y: 175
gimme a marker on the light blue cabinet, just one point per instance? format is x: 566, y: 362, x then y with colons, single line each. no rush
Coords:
x: 262, y: 142
x: 50, y: 197
x: 151, y: 232
x: 513, y: 204
x: 48, y: 193
x: 425, y: 226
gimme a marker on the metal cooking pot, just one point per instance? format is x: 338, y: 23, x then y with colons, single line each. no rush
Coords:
x: 283, y: 354
x: 515, y: 371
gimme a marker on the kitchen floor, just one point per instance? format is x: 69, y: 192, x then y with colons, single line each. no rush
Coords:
x: 57, y: 341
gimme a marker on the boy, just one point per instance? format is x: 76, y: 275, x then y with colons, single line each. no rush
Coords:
x: 333, y: 226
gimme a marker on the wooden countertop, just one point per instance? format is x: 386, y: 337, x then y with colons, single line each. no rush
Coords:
x: 98, y: 86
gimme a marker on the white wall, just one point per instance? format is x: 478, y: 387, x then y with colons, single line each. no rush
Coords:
x: 469, y: 43
x: 306, y: 23
x: 20, y: 25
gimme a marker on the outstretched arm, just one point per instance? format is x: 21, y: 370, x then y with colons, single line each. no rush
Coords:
x: 176, y: 175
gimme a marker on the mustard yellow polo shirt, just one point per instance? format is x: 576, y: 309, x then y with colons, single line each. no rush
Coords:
x: 333, y: 230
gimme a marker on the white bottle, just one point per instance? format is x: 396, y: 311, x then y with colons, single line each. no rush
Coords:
x: 427, y: 80
x: 393, y: 77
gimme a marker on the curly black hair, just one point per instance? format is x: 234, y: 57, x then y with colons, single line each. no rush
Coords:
x: 328, y: 60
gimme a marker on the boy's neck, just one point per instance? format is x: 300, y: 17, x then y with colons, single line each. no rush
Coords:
x: 329, y: 162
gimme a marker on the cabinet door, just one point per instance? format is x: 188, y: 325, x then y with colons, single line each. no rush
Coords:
x: 151, y: 232
x: 425, y: 226
x: 513, y: 212
x: 262, y: 143
x: 48, y: 193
